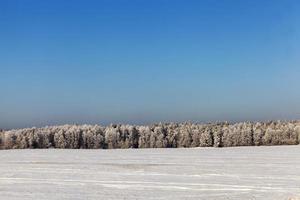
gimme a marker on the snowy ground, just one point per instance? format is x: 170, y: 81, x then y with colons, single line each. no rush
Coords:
x: 202, y: 173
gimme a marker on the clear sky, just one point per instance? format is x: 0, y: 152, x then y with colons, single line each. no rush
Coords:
x: 144, y: 61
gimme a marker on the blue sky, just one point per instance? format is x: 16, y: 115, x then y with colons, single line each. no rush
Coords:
x: 138, y: 61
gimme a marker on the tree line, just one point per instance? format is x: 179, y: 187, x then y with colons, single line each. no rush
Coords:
x: 161, y: 135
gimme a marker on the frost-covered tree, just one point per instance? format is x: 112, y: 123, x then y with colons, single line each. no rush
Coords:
x: 297, y: 130
x: 280, y: 133
x: 1, y: 139
x: 185, y: 136
x: 259, y: 130
x: 154, y: 136
x: 172, y: 130
x: 158, y: 137
x: 206, y: 137
x: 60, y: 140
x: 196, y: 133
x: 217, y: 131
x: 112, y: 137
x: 144, y: 136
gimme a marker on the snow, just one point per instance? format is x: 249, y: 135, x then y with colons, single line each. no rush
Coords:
x: 270, y: 172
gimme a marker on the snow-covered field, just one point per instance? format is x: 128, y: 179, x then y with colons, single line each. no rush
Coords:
x: 201, y: 173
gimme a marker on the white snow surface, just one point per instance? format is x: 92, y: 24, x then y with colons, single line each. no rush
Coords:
x: 271, y: 172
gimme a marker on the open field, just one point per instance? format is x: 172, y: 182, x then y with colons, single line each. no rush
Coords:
x: 269, y: 172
